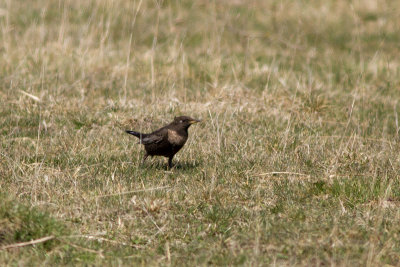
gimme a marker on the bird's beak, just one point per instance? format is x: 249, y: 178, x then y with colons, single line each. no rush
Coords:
x: 193, y: 121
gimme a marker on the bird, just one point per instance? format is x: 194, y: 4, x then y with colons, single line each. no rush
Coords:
x: 166, y: 141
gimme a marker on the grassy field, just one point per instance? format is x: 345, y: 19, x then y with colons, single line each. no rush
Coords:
x: 296, y: 161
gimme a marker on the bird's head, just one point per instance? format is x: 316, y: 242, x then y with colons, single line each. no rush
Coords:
x: 185, y: 121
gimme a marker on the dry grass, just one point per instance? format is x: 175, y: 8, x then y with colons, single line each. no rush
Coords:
x: 296, y: 163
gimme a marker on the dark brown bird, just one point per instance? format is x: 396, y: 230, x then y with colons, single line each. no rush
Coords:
x: 166, y: 141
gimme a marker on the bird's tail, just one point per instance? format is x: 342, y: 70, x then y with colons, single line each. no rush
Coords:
x: 137, y: 134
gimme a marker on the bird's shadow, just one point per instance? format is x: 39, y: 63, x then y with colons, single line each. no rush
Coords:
x: 186, y: 165
x: 178, y: 165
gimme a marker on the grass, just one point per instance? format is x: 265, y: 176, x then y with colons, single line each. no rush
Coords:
x: 296, y: 162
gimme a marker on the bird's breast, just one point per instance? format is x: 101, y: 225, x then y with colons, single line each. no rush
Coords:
x: 176, y: 139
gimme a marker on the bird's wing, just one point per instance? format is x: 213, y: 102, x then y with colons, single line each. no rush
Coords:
x: 151, y: 139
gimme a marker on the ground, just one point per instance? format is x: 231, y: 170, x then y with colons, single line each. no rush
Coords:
x: 296, y: 161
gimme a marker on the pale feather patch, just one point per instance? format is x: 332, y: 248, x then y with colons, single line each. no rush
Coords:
x: 175, y: 138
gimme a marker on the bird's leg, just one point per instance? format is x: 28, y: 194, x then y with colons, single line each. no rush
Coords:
x: 170, y: 162
x: 144, y: 158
